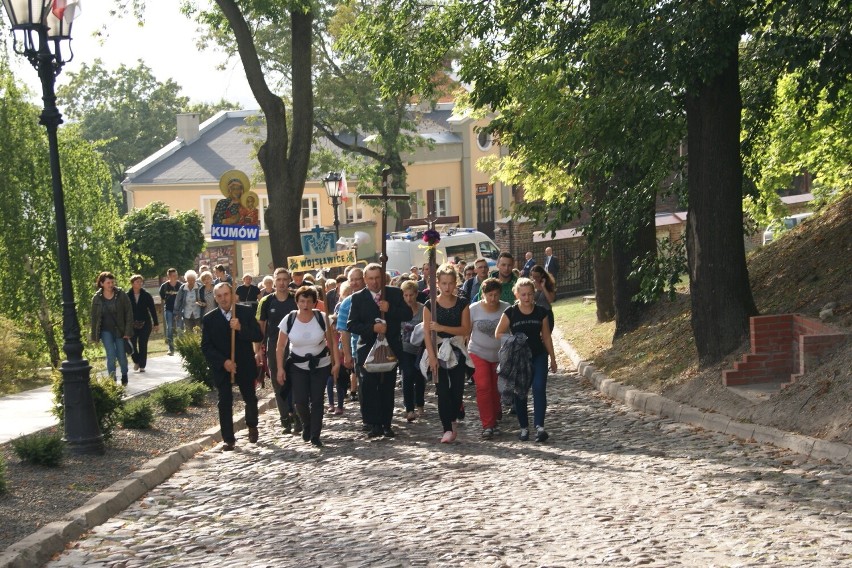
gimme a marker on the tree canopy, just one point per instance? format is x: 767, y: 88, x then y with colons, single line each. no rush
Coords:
x: 128, y: 110
x: 157, y: 240
x: 28, y: 247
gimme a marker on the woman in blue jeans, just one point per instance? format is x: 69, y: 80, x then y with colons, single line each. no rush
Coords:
x: 112, y: 322
x: 528, y: 318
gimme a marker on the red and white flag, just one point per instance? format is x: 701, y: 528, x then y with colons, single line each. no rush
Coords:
x: 344, y: 189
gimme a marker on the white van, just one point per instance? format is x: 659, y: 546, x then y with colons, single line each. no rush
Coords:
x: 783, y: 225
x: 406, y: 248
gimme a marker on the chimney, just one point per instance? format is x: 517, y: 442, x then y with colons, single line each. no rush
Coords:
x: 187, y: 127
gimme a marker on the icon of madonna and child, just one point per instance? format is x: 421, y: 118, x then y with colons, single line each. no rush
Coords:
x: 240, y: 206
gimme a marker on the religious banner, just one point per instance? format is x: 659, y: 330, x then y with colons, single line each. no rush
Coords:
x: 318, y: 241
x: 312, y: 262
x: 236, y: 218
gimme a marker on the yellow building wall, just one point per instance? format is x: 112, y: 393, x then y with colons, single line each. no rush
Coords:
x: 444, y: 166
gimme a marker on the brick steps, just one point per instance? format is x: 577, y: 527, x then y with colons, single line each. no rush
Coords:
x: 783, y: 346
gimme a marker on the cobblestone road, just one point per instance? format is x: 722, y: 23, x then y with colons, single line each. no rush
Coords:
x: 611, y: 487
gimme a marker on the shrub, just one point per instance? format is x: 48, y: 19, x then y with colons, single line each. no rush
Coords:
x: 188, y: 345
x: 18, y: 356
x: 107, y: 395
x: 137, y: 414
x: 173, y: 397
x: 2, y: 476
x: 40, y: 448
x: 197, y: 392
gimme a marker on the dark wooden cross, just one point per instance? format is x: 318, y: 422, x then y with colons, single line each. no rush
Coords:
x: 384, y: 197
x: 432, y: 259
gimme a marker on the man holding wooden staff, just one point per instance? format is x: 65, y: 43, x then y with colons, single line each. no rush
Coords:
x: 227, y: 339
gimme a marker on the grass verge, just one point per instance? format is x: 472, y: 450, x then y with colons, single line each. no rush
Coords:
x: 658, y: 354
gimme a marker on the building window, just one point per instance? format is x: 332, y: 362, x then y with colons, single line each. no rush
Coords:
x: 483, y: 140
x: 353, y: 210
x: 438, y: 200
x: 310, y: 212
x: 264, y: 204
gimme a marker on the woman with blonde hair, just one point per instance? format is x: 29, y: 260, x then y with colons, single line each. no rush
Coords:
x: 448, y: 358
x: 525, y: 317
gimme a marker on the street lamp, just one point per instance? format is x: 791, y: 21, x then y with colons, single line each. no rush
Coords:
x: 38, y: 26
x: 332, y: 188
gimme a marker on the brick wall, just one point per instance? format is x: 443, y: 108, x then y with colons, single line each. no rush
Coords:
x: 784, y: 347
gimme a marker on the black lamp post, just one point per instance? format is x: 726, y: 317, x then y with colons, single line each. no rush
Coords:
x: 38, y: 26
x: 332, y: 188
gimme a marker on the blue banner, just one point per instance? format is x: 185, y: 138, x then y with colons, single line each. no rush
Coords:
x: 235, y: 232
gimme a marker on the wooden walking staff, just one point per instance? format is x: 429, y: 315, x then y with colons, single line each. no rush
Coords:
x: 432, y: 238
x: 233, y: 339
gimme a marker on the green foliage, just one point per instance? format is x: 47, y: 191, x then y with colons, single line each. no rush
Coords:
x: 194, y: 362
x: 197, y: 392
x: 28, y: 250
x: 137, y: 414
x: 173, y: 397
x: 128, y: 109
x: 18, y: 356
x: 802, y: 136
x: 662, y: 273
x: 40, y: 449
x: 157, y: 240
x: 107, y: 395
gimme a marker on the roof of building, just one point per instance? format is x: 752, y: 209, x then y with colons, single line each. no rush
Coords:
x: 227, y: 141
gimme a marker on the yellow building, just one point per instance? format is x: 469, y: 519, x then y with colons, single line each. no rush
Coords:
x: 185, y: 175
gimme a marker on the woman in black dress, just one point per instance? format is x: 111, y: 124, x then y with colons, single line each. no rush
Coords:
x: 144, y: 313
x: 452, y: 325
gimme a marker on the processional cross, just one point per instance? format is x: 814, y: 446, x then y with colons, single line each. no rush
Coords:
x: 384, y: 197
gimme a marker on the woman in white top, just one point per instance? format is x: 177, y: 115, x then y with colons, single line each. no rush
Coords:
x: 313, y: 357
x: 483, y: 349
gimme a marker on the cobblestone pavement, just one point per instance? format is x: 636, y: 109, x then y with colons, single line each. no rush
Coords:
x: 611, y: 487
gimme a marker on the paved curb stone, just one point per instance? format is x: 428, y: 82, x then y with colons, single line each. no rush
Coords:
x: 652, y: 403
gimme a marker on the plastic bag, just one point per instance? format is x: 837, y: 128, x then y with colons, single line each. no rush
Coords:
x: 381, y: 358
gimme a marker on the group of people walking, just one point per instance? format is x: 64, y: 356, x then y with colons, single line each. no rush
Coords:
x: 315, y: 345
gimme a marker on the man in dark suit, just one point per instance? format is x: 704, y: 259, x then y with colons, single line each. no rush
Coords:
x: 530, y: 262
x: 377, y: 389
x: 551, y: 265
x: 216, y: 346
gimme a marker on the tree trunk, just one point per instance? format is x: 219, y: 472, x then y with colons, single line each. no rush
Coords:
x: 284, y: 161
x: 399, y: 186
x: 642, y: 244
x: 604, y: 301
x: 718, y: 277
x: 44, y: 320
